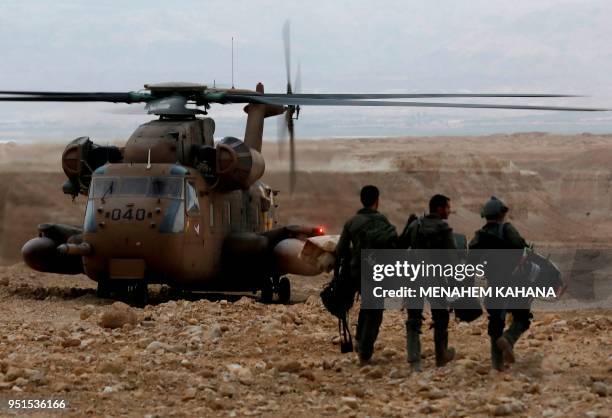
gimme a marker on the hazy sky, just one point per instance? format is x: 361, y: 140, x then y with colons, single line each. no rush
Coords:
x: 344, y: 46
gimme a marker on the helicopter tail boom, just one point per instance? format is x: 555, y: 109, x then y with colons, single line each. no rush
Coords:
x: 256, y: 112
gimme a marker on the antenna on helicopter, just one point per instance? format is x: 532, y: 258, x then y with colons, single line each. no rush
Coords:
x: 232, y: 62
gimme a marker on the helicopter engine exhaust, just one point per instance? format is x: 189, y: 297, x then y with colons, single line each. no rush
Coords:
x: 234, y: 164
x: 75, y: 249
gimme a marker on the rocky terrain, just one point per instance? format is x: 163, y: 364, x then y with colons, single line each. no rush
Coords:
x: 233, y: 356
x: 229, y: 355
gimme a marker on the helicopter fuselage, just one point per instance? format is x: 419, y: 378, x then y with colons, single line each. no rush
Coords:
x: 163, y: 223
x: 173, y: 207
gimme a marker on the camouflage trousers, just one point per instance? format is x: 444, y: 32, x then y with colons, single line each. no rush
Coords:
x: 368, y: 325
x: 497, y: 320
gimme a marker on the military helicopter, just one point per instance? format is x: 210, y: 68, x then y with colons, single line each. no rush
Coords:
x: 173, y: 207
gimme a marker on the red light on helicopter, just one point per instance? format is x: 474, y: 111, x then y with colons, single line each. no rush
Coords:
x: 320, y: 230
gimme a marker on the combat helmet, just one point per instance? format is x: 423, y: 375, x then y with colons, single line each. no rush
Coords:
x: 493, y: 208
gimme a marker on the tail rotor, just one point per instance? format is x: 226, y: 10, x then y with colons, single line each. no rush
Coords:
x: 292, y: 112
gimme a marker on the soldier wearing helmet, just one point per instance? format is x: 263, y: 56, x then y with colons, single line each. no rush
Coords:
x: 499, y: 234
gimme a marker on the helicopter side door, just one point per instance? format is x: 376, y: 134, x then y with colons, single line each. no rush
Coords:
x: 194, y: 241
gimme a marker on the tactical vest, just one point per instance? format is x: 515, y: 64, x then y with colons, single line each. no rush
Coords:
x: 427, y: 239
x: 494, y: 239
x: 371, y: 232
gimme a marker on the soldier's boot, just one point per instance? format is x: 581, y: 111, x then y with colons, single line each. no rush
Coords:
x: 444, y: 354
x: 413, y: 344
x: 506, y: 342
x: 368, y: 325
x: 497, y: 358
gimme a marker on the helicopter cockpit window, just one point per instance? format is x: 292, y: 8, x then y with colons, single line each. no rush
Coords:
x: 192, y: 205
x: 104, y: 186
x: 134, y: 186
x: 166, y: 187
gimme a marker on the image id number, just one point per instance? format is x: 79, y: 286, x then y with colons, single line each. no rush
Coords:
x: 36, y: 404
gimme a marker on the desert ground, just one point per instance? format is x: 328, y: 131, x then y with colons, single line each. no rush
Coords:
x: 229, y: 355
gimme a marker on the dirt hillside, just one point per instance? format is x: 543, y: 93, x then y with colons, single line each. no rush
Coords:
x: 229, y: 355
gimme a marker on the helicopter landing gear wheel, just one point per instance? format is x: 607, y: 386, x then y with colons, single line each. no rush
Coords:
x: 284, y: 290
x: 137, y: 293
x: 267, y: 290
x: 103, y: 291
x: 281, y: 287
x: 140, y: 294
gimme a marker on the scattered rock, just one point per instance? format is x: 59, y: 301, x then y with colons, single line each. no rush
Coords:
x: 176, y: 348
x: 35, y: 376
x: 375, y: 373
x: 13, y: 373
x: 144, y: 342
x: 288, y: 318
x: 110, y: 367
x: 227, y: 390
x: 70, y: 342
x: 108, y: 390
x: 398, y: 374
x: 307, y: 374
x: 508, y: 408
x: 388, y: 353
x: 350, y: 401
x: 87, y: 311
x: 293, y: 366
x: 601, y: 389
x: 157, y: 345
x: 313, y: 300
x: 241, y: 373
x: 595, y: 414
x: 244, y: 301
x: 190, y: 393
x: 428, y: 409
x: 194, y: 330
x: 117, y: 315
x: 215, y: 332
x: 434, y: 393
x: 272, y: 327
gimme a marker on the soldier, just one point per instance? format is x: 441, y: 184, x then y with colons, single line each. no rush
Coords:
x: 368, y: 229
x: 429, y: 232
x: 498, y: 234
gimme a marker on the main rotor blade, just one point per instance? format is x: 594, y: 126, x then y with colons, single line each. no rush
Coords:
x: 281, y: 134
x: 74, y: 97
x: 298, y: 79
x: 308, y: 95
x: 55, y: 93
x: 286, y: 43
x: 339, y: 102
x: 291, y: 129
x: 358, y: 96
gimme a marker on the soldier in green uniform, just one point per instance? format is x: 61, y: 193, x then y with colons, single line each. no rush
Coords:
x: 368, y: 229
x: 429, y: 232
x: 499, y: 234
